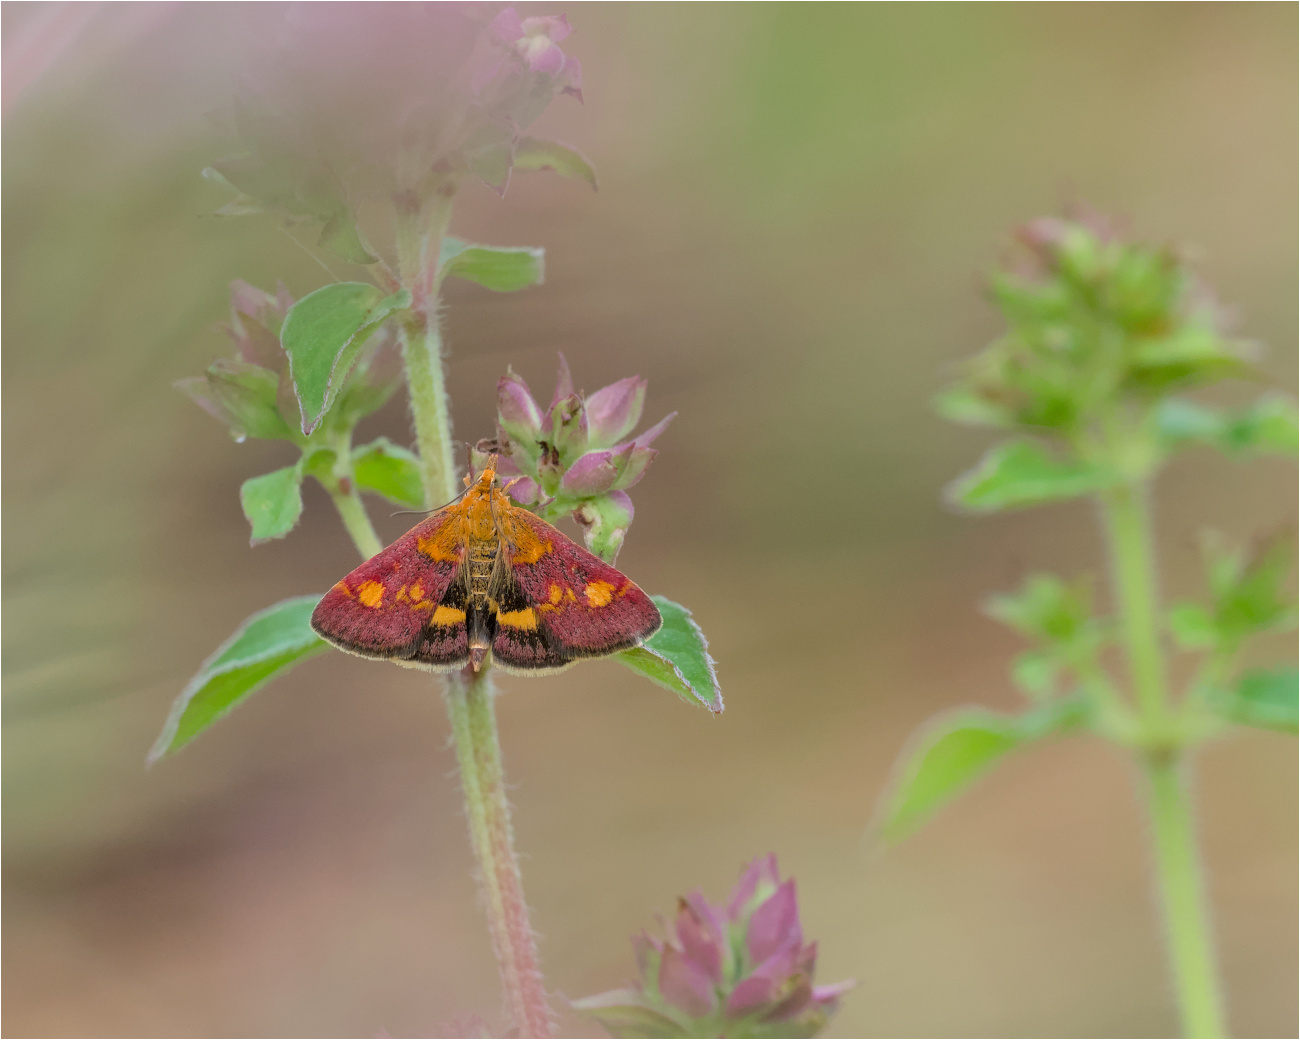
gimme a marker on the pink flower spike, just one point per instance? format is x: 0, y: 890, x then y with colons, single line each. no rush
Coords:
x: 613, y: 411
x: 572, y: 73
x: 554, y: 27
x: 774, y: 926
x: 592, y: 474
x: 644, y: 440
x: 507, y: 27
x: 525, y: 491
x: 517, y: 412
x: 684, y: 985
x: 642, y: 946
x: 760, y: 870
x: 703, y: 948
x: 563, y: 382
x: 828, y: 994
x: 545, y: 57
x: 749, y: 995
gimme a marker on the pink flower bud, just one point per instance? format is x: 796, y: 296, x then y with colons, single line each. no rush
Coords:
x: 613, y: 411
x: 517, y: 412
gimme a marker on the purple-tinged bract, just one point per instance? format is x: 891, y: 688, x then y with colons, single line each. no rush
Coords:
x: 739, y: 970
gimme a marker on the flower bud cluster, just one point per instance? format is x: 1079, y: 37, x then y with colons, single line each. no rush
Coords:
x: 576, y: 457
x: 253, y: 394
x: 341, y: 102
x: 1094, y: 322
x: 739, y: 970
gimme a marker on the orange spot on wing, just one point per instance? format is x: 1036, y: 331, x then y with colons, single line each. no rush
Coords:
x: 525, y: 619
x: 599, y: 593
x: 417, y: 592
x: 342, y: 586
x: 370, y: 593
x: 443, y: 543
x: 447, y: 616
x: 526, y: 545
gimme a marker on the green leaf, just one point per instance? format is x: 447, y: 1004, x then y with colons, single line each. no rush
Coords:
x: 1180, y: 421
x: 498, y: 269
x: 624, y: 1013
x: 341, y: 237
x: 393, y: 472
x: 963, y: 405
x: 1022, y: 473
x: 1045, y: 608
x: 323, y: 334
x: 1192, y: 626
x: 1265, y: 698
x: 952, y: 751
x: 1036, y: 672
x: 1249, y: 588
x: 1267, y: 427
x: 273, y: 502
x: 242, y: 395
x: 677, y: 658
x: 265, y: 645
x: 535, y: 154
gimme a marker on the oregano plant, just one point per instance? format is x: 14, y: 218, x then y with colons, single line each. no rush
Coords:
x: 1105, y: 340
x: 317, y: 143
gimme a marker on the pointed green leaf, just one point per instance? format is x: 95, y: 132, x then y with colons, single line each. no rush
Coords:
x: 498, y: 269
x: 532, y: 153
x: 341, y: 237
x: 952, y: 751
x: 1192, y: 626
x: 265, y: 645
x: 242, y: 395
x: 624, y: 1014
x: 392, y: 471
x: 1267, y: 427
x: 1265, y: 698
x: 323, y: 334
x: 272, y: 502
x: 677, y: 658
x: 1022, y: 473
x: 1180, y: 421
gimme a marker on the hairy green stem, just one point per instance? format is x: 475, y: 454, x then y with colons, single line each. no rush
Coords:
x: 1177, y: 858
x: 355, y: 519
x: 469, y: 698
x: 1132, y: 559
x: 1182, y: 898
x: 421, y: 225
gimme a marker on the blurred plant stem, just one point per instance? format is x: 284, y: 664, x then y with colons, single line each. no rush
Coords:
x: 355, y: 518
x: 1179, y: 873
x: 421, y: 225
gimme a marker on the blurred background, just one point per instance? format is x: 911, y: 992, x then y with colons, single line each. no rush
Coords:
x: 797, y: 206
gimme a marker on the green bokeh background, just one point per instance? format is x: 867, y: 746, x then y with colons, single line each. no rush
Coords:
x: 797, y: 203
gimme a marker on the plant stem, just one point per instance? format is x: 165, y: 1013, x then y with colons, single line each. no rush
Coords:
x: 421, y: 225
x: 469, y: 703
x: 356, y: 520
x: 1177, y: 858
x: 1132, y: 561
x: 1182, y: 898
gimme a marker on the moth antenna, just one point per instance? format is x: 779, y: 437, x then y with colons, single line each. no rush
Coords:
x: 426, y: 512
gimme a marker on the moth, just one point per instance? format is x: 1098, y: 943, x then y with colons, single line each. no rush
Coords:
x: 483, y: 579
